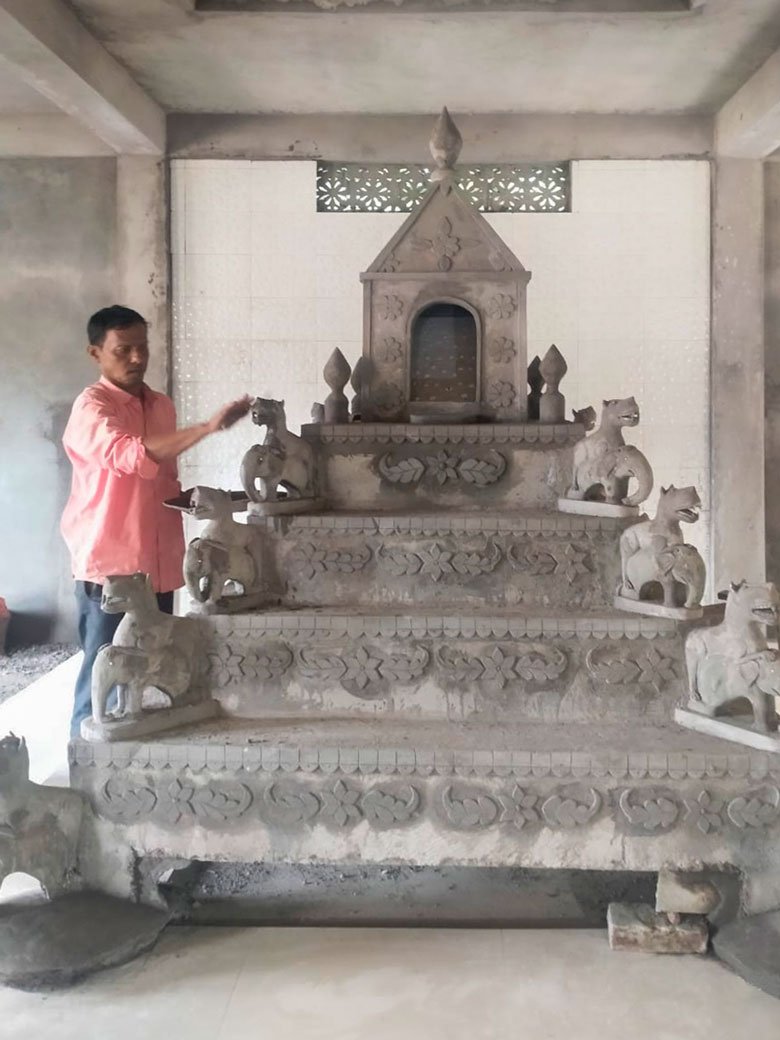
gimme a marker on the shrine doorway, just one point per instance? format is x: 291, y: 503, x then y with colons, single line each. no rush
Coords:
x: 444, y: 354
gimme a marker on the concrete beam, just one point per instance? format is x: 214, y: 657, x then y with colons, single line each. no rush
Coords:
x: 403, y: 138
x: 51, y: 50
x: 748, y: 125
x: 737, y: 373
x: 38, y: 136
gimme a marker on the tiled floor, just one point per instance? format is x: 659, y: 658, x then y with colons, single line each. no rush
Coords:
x: 414, y: 984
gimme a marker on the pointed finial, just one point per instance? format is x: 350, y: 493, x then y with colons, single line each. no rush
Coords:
x: 445, y: 145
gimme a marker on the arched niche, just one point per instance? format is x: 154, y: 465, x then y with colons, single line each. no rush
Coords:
x: 444, y: 354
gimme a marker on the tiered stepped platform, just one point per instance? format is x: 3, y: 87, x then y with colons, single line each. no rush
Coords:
x: 442, y: 679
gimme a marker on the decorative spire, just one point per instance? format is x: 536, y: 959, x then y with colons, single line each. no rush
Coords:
x: 445, y: 145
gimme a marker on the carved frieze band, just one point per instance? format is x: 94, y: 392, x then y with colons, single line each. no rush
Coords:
x: 444, y: 467
x: 440, y: 560
x: 368, y: 670
x: 342, y: 803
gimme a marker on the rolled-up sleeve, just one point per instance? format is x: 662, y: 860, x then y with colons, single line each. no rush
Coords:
x: 94, y: 432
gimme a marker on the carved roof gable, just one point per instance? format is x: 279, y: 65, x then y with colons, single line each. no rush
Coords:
x: 445, y: 233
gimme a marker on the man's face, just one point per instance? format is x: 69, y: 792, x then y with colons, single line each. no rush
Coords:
x: 123, y: 357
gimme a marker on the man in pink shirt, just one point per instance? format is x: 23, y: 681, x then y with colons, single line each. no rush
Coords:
x: 122, y: 441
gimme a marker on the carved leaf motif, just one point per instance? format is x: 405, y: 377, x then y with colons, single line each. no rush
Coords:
x: 616, y: 667
x: 405, y: 471
x: 216, y: 802
x: 533, y: 561
x: 546, y: 663
x: 361, y: 669
x: 470, y: 810
x: 436, y: 561
x: 124, y: 800
x: 704, y: 812
x: 293, y: 803
x: 538, y: 663
x: 267, y: 663
x: 340, y: 804
x: 569, y: 811
x: 443, y: 468
x: 405, y: 668
x: 384, y: 809
x: 313, y: 560
x: 519, y: 808
x: 649, y: 810
x: 321, y: 664
x: 755, y: 809
x: 399, y: 562
x: 482, y: 472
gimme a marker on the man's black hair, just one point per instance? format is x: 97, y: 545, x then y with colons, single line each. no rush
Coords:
x: 114, y: 317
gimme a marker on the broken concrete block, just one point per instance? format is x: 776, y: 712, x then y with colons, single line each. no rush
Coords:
x: 51, y: 945
x: 639, y: 927
x: 678, y: 893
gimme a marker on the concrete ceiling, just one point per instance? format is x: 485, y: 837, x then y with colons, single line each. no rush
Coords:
x: 17, y: 98
x: 387, y: 62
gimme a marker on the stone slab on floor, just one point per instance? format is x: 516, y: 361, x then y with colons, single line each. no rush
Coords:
x: 54, y: 945
x: 637, y: 927
x: 751, y: 947
x: 737, y: 729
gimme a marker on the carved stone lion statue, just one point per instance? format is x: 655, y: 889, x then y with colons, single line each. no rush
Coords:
x: 654, y: 557
x: 604, y: 464
x: 226, y: 551
x: 150, y: 650
x: 733, y: 661
x: 39, y: 825
x: 297, y: 474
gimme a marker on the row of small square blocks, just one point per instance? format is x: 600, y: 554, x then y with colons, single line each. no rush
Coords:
x: 450, y: 627
x: 559, y: 764
x: 482, y: 433
x: 554, y: 523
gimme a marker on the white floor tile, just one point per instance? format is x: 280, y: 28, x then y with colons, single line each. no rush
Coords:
x: 415, y: 984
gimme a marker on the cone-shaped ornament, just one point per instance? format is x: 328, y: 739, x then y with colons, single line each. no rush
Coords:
x: 445, y: 145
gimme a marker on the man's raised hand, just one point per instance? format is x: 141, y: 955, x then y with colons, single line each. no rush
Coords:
x: 229, y: 414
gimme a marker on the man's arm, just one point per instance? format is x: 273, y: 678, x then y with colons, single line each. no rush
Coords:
x: 162, y: 446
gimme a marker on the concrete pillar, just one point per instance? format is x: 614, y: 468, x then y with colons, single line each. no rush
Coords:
x: 142, y: 269
x: 772, y: 359
x: 737, y: 372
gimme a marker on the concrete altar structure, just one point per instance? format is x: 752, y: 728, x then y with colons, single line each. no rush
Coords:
x: 444, y: 677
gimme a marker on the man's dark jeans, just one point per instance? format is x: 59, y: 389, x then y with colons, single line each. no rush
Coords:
x: 96, y: 628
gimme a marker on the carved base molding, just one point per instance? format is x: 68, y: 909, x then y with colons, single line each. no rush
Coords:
x: 244, y: 756
x: 446, y: 668
x: 524, y: 806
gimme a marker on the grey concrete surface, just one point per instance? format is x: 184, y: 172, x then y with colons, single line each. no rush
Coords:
x: 751, y: 947
x: 51, y: 945
x: 56, y: 268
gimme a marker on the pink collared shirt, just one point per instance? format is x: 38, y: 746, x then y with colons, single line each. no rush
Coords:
x: 115, y: 521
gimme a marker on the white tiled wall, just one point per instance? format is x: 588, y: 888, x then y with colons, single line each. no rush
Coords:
x: 265, y: 288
